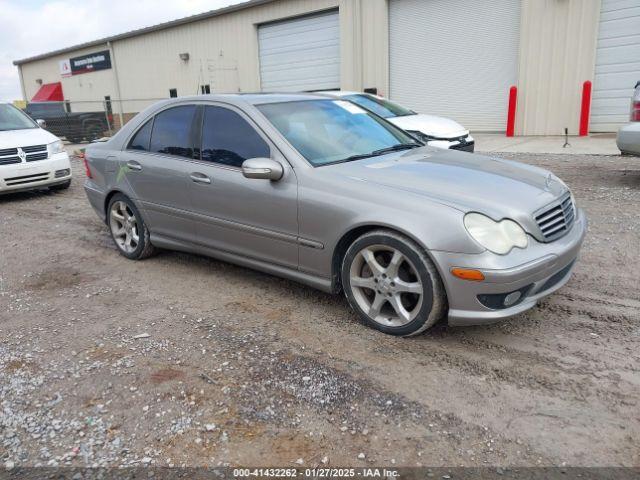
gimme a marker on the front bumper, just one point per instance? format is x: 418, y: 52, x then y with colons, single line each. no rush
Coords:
x: 628, y: 139
x: 537, y: 271
x: 38, y: 174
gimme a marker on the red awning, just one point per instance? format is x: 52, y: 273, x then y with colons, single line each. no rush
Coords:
x: 49, y: 92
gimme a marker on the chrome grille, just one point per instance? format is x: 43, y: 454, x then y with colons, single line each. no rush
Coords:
x: 35, y: 148
x: 32, y: 157
x: 556, y: 219
x: 36, y: 152
x: 9, y: 160
x: 33, y: 153
x: 9, y: 156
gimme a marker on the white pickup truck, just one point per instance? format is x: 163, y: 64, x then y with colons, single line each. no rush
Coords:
x: 30, y: 157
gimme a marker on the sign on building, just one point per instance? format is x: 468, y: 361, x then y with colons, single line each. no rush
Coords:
x: 89, y: 63
x: 65, y: 68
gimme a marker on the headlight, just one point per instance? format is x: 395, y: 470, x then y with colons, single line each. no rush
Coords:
x: 55, y: 147
x: 498, y: 237
x: 421, y: 136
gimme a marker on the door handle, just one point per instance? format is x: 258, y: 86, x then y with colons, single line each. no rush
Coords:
x: 134, y: 166
x: 200, y: 178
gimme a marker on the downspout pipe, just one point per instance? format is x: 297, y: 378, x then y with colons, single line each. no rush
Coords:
x: 114, y: 65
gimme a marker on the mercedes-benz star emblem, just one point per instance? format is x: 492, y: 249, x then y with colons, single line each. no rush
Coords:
x: 548, y: 182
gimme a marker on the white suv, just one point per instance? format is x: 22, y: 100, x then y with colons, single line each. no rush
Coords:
x: 435, y: 131
x: 30, y: 157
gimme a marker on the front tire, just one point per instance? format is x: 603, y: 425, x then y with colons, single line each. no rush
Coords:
x: 128, y: 230
x: 392, y: 284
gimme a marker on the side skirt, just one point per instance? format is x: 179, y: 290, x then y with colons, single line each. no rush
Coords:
x: 320, y: 283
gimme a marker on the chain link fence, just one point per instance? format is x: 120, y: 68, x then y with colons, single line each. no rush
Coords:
x: 86, y: 121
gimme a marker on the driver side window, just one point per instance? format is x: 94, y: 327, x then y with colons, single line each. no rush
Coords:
x: 228, y: 139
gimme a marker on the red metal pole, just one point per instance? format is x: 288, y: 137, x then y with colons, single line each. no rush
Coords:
x: 511, y: 115
x: 585, y: 111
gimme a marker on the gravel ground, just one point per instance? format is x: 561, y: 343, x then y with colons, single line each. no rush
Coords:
x: 183, y: 360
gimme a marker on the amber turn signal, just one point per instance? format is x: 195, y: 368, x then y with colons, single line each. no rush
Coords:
x: 468, y: 274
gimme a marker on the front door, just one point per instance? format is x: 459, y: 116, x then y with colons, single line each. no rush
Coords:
x: 249, y: 217
x: 156, y: 166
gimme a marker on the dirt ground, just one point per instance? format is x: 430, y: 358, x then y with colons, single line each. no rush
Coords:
x: 183, y: 360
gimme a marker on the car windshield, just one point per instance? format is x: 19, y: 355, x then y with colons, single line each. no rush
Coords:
x: 380, y: 106
x: 13, y: 119
x: 334, y: 131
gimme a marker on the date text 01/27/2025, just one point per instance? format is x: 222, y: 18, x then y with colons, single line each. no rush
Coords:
x: 315, y: 472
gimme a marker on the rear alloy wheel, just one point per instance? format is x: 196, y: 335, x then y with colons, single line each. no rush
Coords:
x: 392, y: 284
x: 128, y: 230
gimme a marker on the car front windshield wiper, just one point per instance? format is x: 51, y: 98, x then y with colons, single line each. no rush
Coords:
x: 395, y: 148
x: 375, y: 153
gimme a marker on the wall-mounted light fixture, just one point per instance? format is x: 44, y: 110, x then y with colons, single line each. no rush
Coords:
x: 184, y: 57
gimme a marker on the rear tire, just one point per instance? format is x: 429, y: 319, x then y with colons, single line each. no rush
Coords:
x: 93, y: 132
x: 392, y: 284
x: 128, y: 230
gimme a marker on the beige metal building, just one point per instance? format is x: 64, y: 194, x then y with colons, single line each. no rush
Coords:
x: 456, y: 58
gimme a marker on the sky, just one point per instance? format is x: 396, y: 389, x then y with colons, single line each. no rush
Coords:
x: 40, y: 26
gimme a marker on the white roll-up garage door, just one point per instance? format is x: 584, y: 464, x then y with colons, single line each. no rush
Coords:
x: 617, y: 64
x: 455, y: 58
x: 300, y: 54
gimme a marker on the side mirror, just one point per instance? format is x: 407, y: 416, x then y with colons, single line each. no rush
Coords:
x: 262, y: 168
x: 41, y: 123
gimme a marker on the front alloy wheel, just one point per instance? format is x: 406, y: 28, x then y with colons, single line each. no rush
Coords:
x: 392, y: 284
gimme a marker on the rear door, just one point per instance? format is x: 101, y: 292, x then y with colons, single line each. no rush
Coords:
x: 250, y: 217
x: 156, y: 165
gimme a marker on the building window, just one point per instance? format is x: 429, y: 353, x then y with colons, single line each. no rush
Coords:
x: 107, y: 104
x: 173, y: 92
x: 205, y: 89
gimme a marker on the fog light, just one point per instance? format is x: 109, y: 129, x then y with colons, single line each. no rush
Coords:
x: 500, y: 301
x: 62, y: 173
x: 512, y: 298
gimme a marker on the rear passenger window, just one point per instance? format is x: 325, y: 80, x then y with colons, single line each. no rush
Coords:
x: 141, y: 139
x: 228, y: 139
x: 172, y: 131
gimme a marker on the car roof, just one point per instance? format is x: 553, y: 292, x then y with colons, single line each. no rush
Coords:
x: 251, y: 98
x: 339, y: 93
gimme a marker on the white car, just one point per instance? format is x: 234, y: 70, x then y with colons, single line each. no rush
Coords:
x: 628, y: 140
x: 30, y: 157
x: 434, y: 131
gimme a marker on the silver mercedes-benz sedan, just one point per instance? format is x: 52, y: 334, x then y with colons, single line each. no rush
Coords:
x: 323, y: 192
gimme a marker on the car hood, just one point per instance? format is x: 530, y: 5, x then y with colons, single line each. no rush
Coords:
x: 25, y: 138
x: 468, y: 182
x: 430, y: 125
